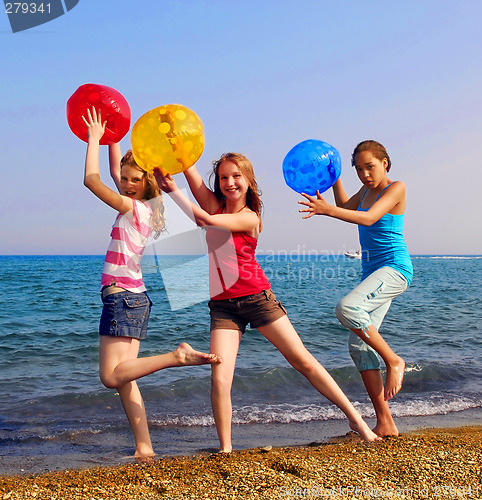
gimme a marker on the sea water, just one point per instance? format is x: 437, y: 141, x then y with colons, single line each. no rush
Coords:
x: 53, y: 404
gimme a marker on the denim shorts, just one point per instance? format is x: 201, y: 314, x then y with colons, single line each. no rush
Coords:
x: 259, y: 309
x: 125, y: 314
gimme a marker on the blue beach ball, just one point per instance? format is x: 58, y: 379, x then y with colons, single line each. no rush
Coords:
x: 310, y: 166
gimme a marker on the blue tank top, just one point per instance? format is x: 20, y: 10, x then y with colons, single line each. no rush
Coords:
x: 383, y: 244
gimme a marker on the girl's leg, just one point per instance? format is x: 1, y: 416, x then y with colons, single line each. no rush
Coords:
x: 225, y: 344
x: 284, y: 337
x: 112, y: 352
x: 374, y: 385
x: 115, y: 371
x: 394, y: 364
x: 136, y: 414
x: 362, y: 311
x: 368, y: 364
x: 119, y: 367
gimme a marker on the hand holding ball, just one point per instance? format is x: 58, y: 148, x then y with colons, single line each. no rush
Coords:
x: 169, y: 137
x: 312, y: 166
x: 113, y: 108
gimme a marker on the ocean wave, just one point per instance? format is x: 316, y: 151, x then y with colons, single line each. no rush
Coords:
x: 264, y: 414
x: 293, y: 413
x: 417, y: 377
x: 250, y: 385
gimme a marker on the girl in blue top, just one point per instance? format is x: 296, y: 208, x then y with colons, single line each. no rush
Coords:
x: 378, y: 208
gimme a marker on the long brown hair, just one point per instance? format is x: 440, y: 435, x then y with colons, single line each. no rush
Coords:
x: 153, y: 193
x: 253, y: 196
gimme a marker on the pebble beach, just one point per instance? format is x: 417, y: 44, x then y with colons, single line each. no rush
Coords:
x: 433, y: 463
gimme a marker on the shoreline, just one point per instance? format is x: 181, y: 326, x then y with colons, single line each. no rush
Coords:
x: 428, y: 463
x: 185, y: 442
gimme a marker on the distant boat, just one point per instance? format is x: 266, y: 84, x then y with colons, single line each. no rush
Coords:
x: 353, y: 255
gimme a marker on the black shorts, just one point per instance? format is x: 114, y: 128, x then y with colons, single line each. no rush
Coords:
x: 259, y: 309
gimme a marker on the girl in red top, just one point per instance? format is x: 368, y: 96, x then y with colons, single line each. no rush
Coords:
x: 240, y: 291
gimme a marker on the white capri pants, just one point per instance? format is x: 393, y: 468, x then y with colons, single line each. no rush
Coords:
x: 367, y: 305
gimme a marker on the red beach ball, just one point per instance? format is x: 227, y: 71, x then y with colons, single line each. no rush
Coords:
x: 113, y: 107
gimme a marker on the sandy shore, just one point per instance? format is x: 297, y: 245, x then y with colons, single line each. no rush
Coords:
x: 435, y: 463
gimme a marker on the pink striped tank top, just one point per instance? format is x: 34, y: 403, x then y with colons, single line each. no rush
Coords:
x: 130, y: 233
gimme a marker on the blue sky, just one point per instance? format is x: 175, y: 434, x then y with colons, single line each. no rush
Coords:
x: 262, y: 76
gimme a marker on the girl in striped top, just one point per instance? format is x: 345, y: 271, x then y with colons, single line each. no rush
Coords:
x: 126, y: 310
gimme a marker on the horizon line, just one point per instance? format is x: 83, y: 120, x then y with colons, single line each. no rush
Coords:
x: 258, y: 255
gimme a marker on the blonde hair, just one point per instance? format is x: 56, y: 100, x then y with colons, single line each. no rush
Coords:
x: 153, y: 193
x: 253, y: 196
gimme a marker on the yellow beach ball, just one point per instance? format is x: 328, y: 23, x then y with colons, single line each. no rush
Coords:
x: 170, y: 137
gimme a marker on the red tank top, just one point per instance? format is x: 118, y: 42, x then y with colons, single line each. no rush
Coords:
x: 233, y: 268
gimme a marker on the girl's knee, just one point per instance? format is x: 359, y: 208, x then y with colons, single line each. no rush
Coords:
x: 304, y: 362
x: 351, y: 315
x: 221, y: 383
x: 343, y: 311
x: 108, y: 380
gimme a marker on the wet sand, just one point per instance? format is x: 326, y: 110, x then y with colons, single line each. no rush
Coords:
x: 434, y: 463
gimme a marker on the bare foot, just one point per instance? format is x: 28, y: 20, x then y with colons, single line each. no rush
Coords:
x: 186, y: 356
x: 144, y: 459
x: 386, y: 430
x: 144, y: 453
x: 394, y: 378
x: 221, y: 453
x: 365, y: 432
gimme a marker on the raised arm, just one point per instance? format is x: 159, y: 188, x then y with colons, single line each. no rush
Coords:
x: 245, y: 221
x: 339, y: 193
x: 115, y: 157
x: 203, y: 195
x: 342, y: 199
x: 92, y: 180
x: 394, y: 195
